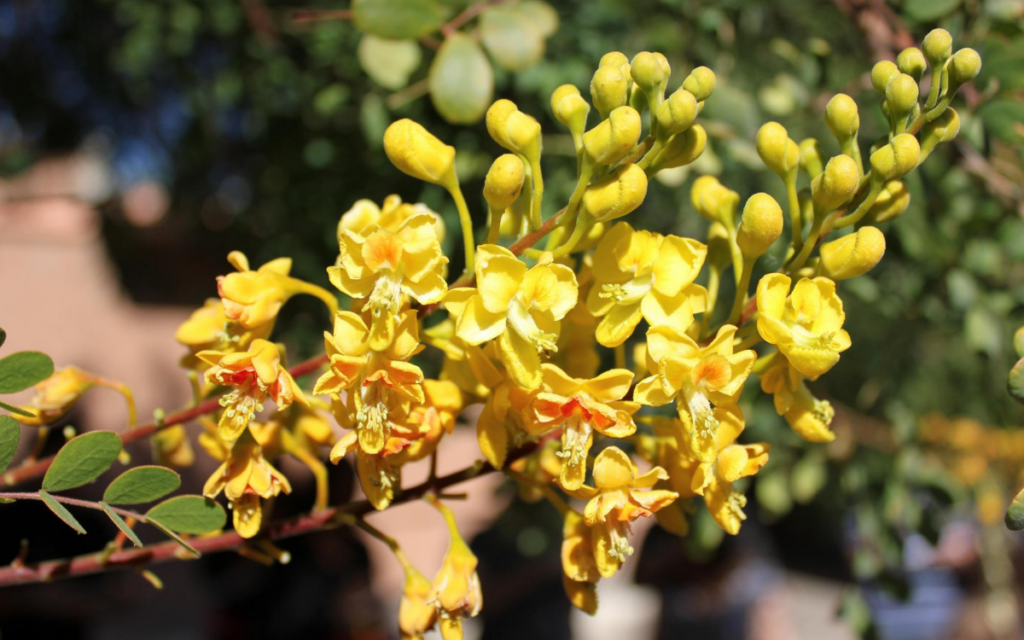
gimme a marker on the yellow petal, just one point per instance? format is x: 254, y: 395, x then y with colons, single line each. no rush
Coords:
x: 772, y: 291
x: 498, y: 280
x: 650, y: 392
x: 678, y: 263
x: 520, y: 359
x: 613, y: 469
x: 248, y: 516
x: 492, y: 436
x: 582, y: 595
x: 477, y: 325
x: 610, y: 385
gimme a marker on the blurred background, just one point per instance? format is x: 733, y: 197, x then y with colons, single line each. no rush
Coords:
x: 140, y: 141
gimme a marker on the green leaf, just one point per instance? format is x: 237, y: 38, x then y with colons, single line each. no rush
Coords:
x: 1004, y: 119
x: 461, y: 80
x: 10, y: 433
x: 398, y: 19
x: 121, y: 524
x: 929, y: 10
x: 1015, y: 513
x: 511, y: 37
x: 21, y: 370
x: 3, y: 337
x: 389, y: 62
x: 61, y: 512
x: 1018, y: 342
x: 20, y: 412
x: 82, y: 460
x: 808, y: 478
x: 189, y: 514
x: 542, y: 14
x: 173, y: 536
x: 1015, y: 381
x: 142, y: 484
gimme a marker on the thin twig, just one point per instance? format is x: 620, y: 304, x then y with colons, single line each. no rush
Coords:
x: 87, y: 504
x: 306, y: 16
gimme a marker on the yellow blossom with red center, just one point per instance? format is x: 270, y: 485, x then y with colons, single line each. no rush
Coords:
x: 697, y: 378
x: 379, y: 477
x: 245, y: 477
x: 384, y: 266
x: 253, y: 375
x: 805, y: 324
x: 433, y: 419
x: 380, y: 385
x: 615, y: 501
x: 210, y: 329
x: 520, y: 307
x: 254, y: 298
x: 506, y: 414
x: 581, y: 407
x: 639, y: 274
x: 365, y: 214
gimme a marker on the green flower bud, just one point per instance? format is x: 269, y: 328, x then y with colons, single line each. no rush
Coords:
x: 677, y: 113
x: 937, y: 46
x: 609, y: 89
x: 852, y: 255
x: 842, y: 117
x: 681, y: 149
x: 896, y: 159
x: 570, y: 109
x: 939, y: 131
x: 836, y: 184
x: 892, y: 201
x: 810, y: 157
x: 617, y: 194
x: 882, y: 73
x: 610, y: 141
x: 777, y: 151
x: 504, y: 182
x: 964, y: 66
x: 713, y: 200
x: 901, y: 96
x: 513, y: 129
x: 760, y: 226
x: 614, y: 59
x: 911, y: 62
x: 701, y: 83
x: 416, y: 152
x: 648, y: 71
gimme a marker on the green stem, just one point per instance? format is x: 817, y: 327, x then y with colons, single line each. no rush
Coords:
x: 862, y: 209
x: 75, y: 502
x: 795, y: 218
x: 741, y: 291
x: 326, y: 296
x: 812, y: 241
x: 714, y: 280
x: 582, y: 223
x: 933, y: 92
x: 495, y: 228
x: 747, y: 342
x: 538, y: 193
x: 467, y: 226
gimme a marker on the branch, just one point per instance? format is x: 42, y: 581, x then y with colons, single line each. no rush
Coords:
x: 21, y: 573
x: 87, y: 504
x: 39, y: 467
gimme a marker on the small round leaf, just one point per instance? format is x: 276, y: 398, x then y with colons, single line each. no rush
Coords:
x: 189, y: 514
x: 1015, y: 381
x: 3, y: 337
x: 1015, y: 513
x: 21, y: 370
x: 142, y: 484
x: 388, y: 62
x: 82, y: 460
x: 398, y: 19
x: 511, y: 37
x: 461, y: 80
x: 10, y: 433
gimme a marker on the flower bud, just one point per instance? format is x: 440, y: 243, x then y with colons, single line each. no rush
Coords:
x: 677, y: 113
x: 810, y: 158
x: 964, y: 66
x: 852, y: 255
x: 760, y: 226
x: 649, y: 71
x: 504, y: 182
x: 896, y: 159
x: 701, y: 83
x: 614, y: 59
x: 617, y: 194
x: 609, y: 89
x: 938, y: 46
x: 901, y: 95
x: 777, y: 151
x: 939, y: 131
x: 570, y: 108
x: 842, y: 117
x: 892, y: 201
x: 513, y: 129
x: 836, y: 184
x: 882, y: 73
x: 610, y: 141
x: 911, y: 62
x: 416, y: 152
x: 681, y: 149
x: 713, y: 200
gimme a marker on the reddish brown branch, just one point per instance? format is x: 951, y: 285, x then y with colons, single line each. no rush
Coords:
x: 39, y: 467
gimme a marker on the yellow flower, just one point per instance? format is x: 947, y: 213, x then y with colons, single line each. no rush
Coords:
x: 245, y: 477
x: 807, y: 415
x: 209, y: 328
x: 505, y: 418
x: 253, y: 298
x: 577, y: 346
x: 254, y: 375
x: 456, y: 588
x: 520, y: 307
x: 381, y: 384
x: 172, y: 448
x: 579, y: 568
x: 543, y: 466
x: 614, y: 502
x: 416, y: 613
x: 713, y: 480
x: 642, y: 274
x: 432, y: 419
x: 364, y: 215
x: 697, y: 378
x: 55, y: 396
x: 386, y: 265
x: 806, y: 324
x: 581, y: 407
x: 378, y: 477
